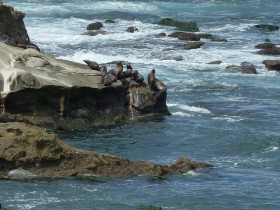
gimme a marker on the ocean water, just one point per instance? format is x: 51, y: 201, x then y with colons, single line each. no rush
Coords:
x: 230, y: 120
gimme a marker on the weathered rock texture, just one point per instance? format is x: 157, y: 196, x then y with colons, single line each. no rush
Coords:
x: 42, y: 154
x: 12, y: 29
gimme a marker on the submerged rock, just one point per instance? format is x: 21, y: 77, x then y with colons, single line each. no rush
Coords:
x: 94, y: 26
x: 132, y: 29
x: 38, y: 153
x: 191, y: 45
x: 110, y: 21
x: 245, y: 68
x: 267, y: 27
x: 187, y: 26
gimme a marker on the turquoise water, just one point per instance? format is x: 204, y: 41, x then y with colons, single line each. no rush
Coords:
x: 230, y: 120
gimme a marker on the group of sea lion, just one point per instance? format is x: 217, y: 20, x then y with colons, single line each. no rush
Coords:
x: 117, y: 73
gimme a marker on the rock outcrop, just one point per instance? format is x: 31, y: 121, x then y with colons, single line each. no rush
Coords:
x: 272, y: 64
x: 32, y: 149
x: 245, y: 68
x: 37, y: 86
x: 268, y: 48
x: 12, y: 29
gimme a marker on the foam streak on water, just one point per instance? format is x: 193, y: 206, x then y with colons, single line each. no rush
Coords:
x: 228, y: 119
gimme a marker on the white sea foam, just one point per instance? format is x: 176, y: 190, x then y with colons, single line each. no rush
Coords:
x: 181, y: 114
x: 229, y: 118
x: 194, y: 109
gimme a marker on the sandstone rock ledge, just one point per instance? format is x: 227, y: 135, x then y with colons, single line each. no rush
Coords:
x: 33, y: 149
x: 41, y: 90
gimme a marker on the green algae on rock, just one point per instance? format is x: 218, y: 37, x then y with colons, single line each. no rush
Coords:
x: 187, y: 26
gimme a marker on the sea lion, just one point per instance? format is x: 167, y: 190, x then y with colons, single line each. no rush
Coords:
x: 136, y: 76
x: 92, y: 64
x: 154, y: 83
x: 109, y: 79
x: 127, y: 73
x: 118, y: 69
x: 103, y: 70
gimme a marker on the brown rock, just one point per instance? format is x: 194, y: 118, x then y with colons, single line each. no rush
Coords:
x: 34, y: 150
x: 272, y: 64
x: 95, y: 26
x: 191, y: 45
x: 132, y: 29
x: 185, y: 36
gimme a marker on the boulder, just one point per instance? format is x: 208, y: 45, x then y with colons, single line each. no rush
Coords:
x: 272, y: 64
x: 12, y: 28
x: 185, y: 36
x: 268, y: 48
x: 267, y: 27
x: 245, y: 68
x: 29, y: 151
x: 131, y: 29
x: 186, y: 26
x: 95, y: 26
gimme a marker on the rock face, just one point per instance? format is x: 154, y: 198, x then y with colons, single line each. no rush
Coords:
x: 12, y: 29
x: 31, y: 148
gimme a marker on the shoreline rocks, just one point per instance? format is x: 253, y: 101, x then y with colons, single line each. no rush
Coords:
x: 32, y: 150
x: 186, y: 26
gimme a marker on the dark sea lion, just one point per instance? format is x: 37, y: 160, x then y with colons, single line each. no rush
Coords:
x: 103, y: 70
x: 109, y: 79
x: 154, y: 83
x: 92, y: 64
x: 136, y: 76
x: 118, y: 69
x: 127, y: 73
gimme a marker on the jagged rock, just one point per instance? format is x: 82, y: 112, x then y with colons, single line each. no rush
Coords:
x: 131, y: 29
x: 94, y: 26
x: 267, y: 27
x: 185, y: 36
x: 33, y: 152
x: 272, y: 64
x: 187, y: 26
x: 191, y: 45
x: 245, y: 68
x: 12, y: 29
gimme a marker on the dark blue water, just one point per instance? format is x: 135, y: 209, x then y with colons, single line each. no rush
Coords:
x: 230, y: 120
